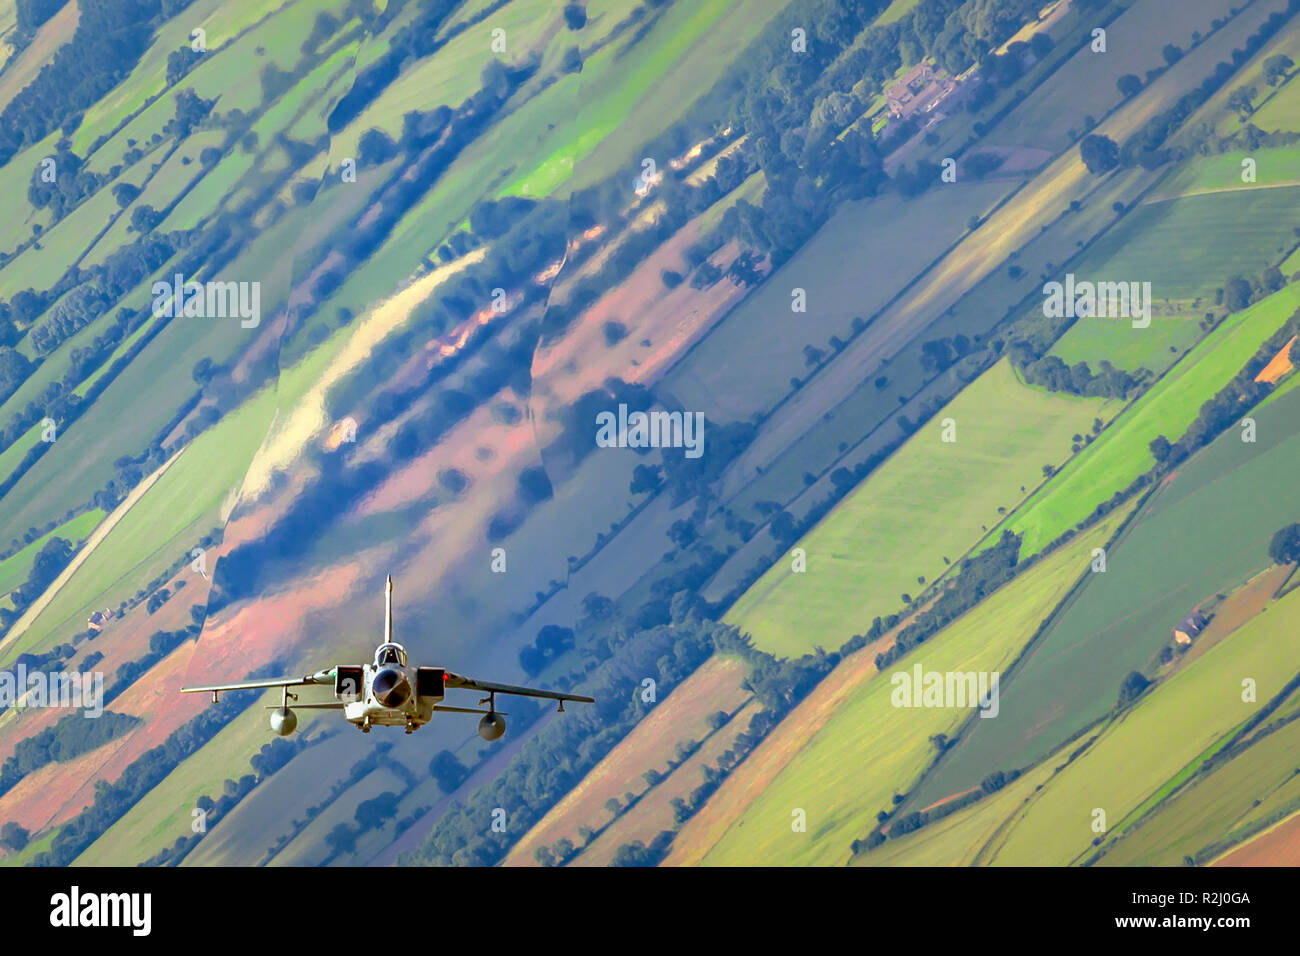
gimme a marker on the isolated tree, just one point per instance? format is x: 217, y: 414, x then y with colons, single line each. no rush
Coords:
x: 1132, y: 687
x: 125, y: 193
x: 372, y: 813
x: 13, y: 837
x: 645, y: 478
x: 1242, y: 99
x: 597, y: 606
x: 447, y: 771
x: 1099, y: 153
x: 375, y: 147
x: 1285, y: 546
x: 342, y: 839
x: 1276, y: 68
x: 1129, y: 85
x: 575, y: 16
x: 144, y: 217
x: 1236, y: 293
x: 682, y: 533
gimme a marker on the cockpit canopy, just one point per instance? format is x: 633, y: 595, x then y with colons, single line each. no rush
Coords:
x: 391, y: 654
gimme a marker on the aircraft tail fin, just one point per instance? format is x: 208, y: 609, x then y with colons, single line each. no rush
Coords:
x: 388, y: 611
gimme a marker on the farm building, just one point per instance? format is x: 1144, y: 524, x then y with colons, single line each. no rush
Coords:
x: 921, y: 89
x: 1189, y: 627
x: 97, y: 620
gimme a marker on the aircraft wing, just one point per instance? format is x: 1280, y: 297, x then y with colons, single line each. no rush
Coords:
x: 328, y: 705
x: 456, y: 680
x: 320, y: 677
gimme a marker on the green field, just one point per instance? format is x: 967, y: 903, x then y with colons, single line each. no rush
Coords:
x: 1182, y: 718
x: 220, y: 20
x: 1247, y: 788
x: 15, y: 568
x: 1085, y: 85
x: 15, y: 453
x: 930, y: 501
x: 1215, y: 235
x: 629, y: 94
x: 1222, y: 172
x: 452, y: 74
x: 16, y: 214
x: 1155, y: 348
x: 153, y: 385
x: 849, y: 269
x: 960, y: 838
x: 164, y: 814
x: 1202, y: 533
x: 1272, y: 110
x: 44, y: 263
x: 895, y: 11
x: 869, y: 750
x: 1131, y: 764
x: 1121, y: 453
x: 181, y: 507
x: 1200, y: 226
x: 179, y: 173
x: 1281, y: 111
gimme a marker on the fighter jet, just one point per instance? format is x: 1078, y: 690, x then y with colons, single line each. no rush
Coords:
x: 388, y: 692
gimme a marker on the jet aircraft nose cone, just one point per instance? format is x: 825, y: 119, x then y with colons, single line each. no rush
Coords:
x: 391, y: 688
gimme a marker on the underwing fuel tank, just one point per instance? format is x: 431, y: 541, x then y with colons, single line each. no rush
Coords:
x: 492, y: 726
x: 283, y: 721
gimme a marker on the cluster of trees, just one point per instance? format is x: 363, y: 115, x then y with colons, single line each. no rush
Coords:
x: 978, y: 577
x: 1131, y: 688
x: 940, y: 354
x: 1240, y: 291
x: 1100, y: 154
x: 911, y: 822
x: 99, y: 288
x: 111, y: 37
x: 161, y: 643
x: 50, y: 560
x: 15, y: 367
x: 270, y: 758
x: 89, y: 293
x: 1227, y: 407
x: 1079, y: 378
x: 32, y: 13
x: 1147, y: 146
x: 795, y: 108
x: 14, y: 837
x: 552, y: 641
x: 71, y: 737
x: 998, y: 71
x: 414, y: 41
x: 1027, y: 347
x: 551, y: 763
x: 72, y: 183
x: 144, y: 773
x: 686, y: 478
